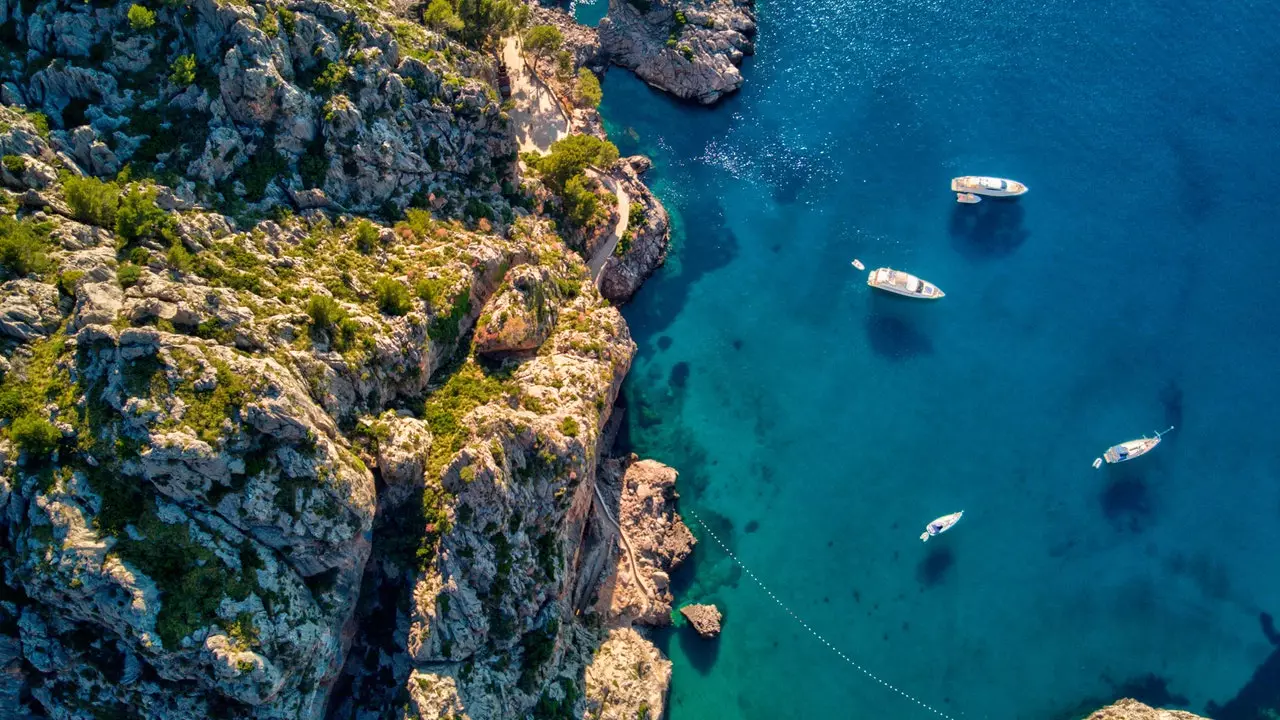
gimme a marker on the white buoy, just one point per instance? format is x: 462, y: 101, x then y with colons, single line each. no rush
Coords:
x: 858, y: 264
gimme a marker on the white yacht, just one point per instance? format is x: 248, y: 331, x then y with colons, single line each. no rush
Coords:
x: 900, y: 283
x: 941, y: 525
x: 1131, y: 449
x: 993, y: 186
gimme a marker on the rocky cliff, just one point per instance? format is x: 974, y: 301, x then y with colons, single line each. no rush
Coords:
x: 262, y: 453
x: 689, y: 48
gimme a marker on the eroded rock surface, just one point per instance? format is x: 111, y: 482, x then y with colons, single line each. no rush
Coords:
x: 690, y: 48
x: 1129, y: 709
x: 705, y: 619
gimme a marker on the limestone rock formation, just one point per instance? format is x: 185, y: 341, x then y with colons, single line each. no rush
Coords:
x: 690, y: 48
x: 643, y: 248
x: 704, y: 618
x: 261, y: 101
x: 655, y: 538
x: 1129, y: 709
x: 626, y: 679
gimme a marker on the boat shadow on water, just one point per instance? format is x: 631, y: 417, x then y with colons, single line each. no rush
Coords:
x: 993, y: 228
x: 892, y: 331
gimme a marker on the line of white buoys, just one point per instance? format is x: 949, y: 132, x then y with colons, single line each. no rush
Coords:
x: 806, y: 625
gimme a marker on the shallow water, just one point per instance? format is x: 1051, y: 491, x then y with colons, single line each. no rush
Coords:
x: 820, y: 427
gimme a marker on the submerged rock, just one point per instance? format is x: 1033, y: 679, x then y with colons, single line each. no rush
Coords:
x: 704, y: 618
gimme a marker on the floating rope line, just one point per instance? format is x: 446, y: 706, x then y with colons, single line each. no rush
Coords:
x: 806, y: 626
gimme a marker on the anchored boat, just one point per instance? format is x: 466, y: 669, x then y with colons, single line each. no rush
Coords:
x: 901, y: 283
x: 1130, y: 449
x: 941, y: 525
x: 993, y: 186
x: 967, y: 198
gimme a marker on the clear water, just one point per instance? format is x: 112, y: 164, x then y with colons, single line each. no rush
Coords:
x: 588, y: 12
x: 822, y: 426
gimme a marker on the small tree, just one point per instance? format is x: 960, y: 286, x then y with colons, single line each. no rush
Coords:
x: 541, y: 41
x: 184, y: 70
x: 92, y: 200
x: 580, y: 201
x: 589, y: 92
x: 570, y: 155
x: 441, y: 16
x: 141, y: 19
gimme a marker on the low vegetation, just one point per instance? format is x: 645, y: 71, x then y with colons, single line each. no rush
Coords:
x: 24, y: 248
x: 588, y: 90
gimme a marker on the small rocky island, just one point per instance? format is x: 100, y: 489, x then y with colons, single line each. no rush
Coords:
x: 705, y: 619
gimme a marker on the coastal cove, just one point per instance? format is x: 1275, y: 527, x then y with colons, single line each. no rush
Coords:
x: 818, y: 427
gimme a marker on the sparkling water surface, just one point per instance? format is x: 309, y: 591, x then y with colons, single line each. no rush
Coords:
x: 818, y: 426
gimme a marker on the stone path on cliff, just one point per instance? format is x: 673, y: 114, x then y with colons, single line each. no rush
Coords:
x: 537, y: 116
x: 635, y: 569
x: 606, y: 249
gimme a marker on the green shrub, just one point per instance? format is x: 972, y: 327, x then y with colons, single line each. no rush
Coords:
x: 288, y: 20
x: 441, y: 16
x: 569, y: 427
x: 179, y: 257
x: 183, y: 70
x: 314, y: 164
x: 23, y: 248
x: 419, y: 222
x: 486, y: 21
x: 67, y: 281
x: 588, y: 89
x: 564, y: 63
x: 571, y: 155
x: 366, y: 237
x: 265, y: 165
x: 687, y: 52
x: 37, y: 436
x: 393, y: 296
x: 128, y: 274
x: 325, y: 312
x: 92, y: 200
x: 580, y: 202
x: 270, y: 24
x: 331, y: 78
x: 141, y: 19
x: 15, y: 164
x: 138, y: 217
x: 680, y: 18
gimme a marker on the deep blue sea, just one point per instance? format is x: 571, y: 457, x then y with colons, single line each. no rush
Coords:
x: 819, y: 426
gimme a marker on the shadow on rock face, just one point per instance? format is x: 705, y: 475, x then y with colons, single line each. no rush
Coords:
x: 1150, y: 689
x: 933, y: 568
x: 894, y: 338
x: 1126, y: 502
x: 991, y: 229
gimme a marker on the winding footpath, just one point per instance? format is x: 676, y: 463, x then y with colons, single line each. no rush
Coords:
x: 596, y: 264
x: 635, y: 568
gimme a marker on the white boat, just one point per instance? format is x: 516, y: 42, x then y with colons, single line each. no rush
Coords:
x: 941, y: 525
x: 1131, y: 449
x: 901, y: 283
x: 858, y: 264
x: 993, y: 186
x: 967, y: 198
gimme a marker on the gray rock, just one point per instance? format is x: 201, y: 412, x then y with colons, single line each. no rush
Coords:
x: 97, y: 303
x: 28, y: 309
x: 704, y: 618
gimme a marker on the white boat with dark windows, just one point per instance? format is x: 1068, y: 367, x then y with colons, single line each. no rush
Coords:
x: 941, y: 525
x: 1130, y: 449
x: 993, y: 186
x: 901, y: 283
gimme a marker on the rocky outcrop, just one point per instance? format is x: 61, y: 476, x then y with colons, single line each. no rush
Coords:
x: 520, y: 317
x: 582, y: 42
x: 705, y: 619
x: 643, y: 248
x: 654, y: 542
x: 627, y: 679
x: 261, y: 102
x: 1129, y: 709
x: 689, y: 48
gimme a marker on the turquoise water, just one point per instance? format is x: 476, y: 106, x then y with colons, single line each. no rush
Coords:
x: 822, y: 426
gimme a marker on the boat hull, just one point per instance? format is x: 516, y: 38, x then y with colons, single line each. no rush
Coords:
x: 900, y: 283
x: 980, y: 185
x: 1127, y: 451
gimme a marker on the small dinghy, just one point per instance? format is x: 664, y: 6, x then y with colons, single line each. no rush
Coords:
x: 1130, y: 449
x: 941, y: 525
x: 967, y: 198
x: 858, y: 264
